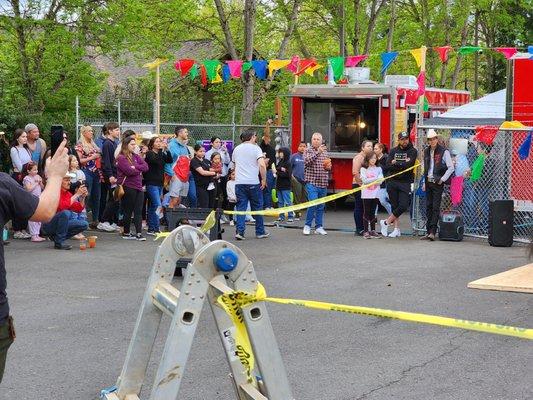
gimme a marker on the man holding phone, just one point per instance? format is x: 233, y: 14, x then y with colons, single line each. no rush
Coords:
x: 14, y: 200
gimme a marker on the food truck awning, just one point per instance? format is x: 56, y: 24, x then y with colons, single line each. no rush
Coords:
x: 365, y: 90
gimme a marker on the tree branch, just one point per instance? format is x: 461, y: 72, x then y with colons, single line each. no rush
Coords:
x: 224, y: 24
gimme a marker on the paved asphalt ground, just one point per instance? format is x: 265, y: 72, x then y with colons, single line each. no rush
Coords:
x: 75, y: 313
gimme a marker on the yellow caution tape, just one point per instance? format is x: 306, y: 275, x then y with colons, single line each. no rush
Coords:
x: 233, y: 303
x: 210, y: 220
x: 301, y: 206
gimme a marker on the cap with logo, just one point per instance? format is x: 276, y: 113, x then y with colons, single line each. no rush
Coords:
x: 403, y: 135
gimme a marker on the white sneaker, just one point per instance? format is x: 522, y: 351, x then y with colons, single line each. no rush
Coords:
x: 395, y: 233
x: 20, y: 235
x: 115, y: 226
x: 384, y: 227
x: 105, y: 226
x: 320, y: 231
x: 307, y: 230
x: 232, y: 223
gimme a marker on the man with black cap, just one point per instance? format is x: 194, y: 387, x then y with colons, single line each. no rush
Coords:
x: 401, y: 157
x: 438, y: 168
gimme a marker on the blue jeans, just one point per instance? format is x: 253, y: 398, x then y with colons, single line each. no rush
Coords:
x: 315, y: 212
x: 191, y: 196
x: 267, y: 191
x: 92, y: 181
x: 252, y: 194
x: 284, y: 200
x: 154, y: 195
x: 358, y: 210
x: 63, y: 226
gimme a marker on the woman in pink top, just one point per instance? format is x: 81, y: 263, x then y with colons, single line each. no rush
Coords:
x: 370, y: 173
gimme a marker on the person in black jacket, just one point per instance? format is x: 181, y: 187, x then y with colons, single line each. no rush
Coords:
x: 283, y: 182
x: 156, y: 158
x: 401, y: 157
x: 270, y: 158
x: 438, y: 168
x: 109, y: 216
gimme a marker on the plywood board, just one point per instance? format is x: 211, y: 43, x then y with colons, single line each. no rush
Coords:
x: 515, y: 280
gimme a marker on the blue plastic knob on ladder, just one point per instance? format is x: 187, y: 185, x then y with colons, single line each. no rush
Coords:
x: 226, y: 260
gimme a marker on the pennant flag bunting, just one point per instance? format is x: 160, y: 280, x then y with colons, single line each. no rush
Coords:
x: 193, y: 72
x: 293, y: 66
x: 421, y: 80
x: 226, y: 73
x: 486, y: 134
x: 217, y: 78
x: 508, y: 52
x: 260, y: 68
x: 235, y: 68
x: 465, y: 50
x: 387, y: 59
x: 477, y: 167
x: 412, y: 134
x: 523, y: 150
x: 337, y: 66
x: 311, y: 70
x: 352, y: 61
x: 305, y: 64
x: 426, y: 103
x: 184, y: 66
x: 417, y: 55
x: 211, y: 67
x: 443, y: 52
x: 530, y: 49
x: 274, y: 65
x: 156, y: 63
x: 203, y: 75
x: 246, y: 66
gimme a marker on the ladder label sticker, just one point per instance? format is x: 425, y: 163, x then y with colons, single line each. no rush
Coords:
x: 230, y: 344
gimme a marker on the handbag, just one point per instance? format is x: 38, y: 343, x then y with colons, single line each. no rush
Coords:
x: 118, y: 194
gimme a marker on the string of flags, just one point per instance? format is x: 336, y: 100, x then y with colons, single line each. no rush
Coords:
x: 216, y: 71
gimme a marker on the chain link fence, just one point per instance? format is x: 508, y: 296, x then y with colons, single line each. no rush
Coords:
x: 504, y: 177
x: 217, y: 120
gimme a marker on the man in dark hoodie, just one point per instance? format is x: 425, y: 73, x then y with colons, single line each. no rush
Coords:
x: 270, y: 158
x: 109, y: 170
x: 283, y: 182
x: 401, y: 157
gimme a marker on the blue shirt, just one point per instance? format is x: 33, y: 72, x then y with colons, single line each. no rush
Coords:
x: 176, y: 149
x: 297, y: 165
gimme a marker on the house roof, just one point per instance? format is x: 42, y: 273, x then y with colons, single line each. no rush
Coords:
x: 488, y: 110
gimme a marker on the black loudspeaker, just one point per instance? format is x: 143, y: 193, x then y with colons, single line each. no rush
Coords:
x: 451, y: 226
x: 501, y: 223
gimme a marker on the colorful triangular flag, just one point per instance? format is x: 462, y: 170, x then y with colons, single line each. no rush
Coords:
x: 337, y: 66
x: 352, y: 61
x: 235, y: 68
x: 525, y: 147
x: 486, y: 134
x: 184, y: 66
x: 311, y: 70
x: 468, y: 50
x: 387, y: 59
x: 294, y: 64
x: 508, y: 52
x: 421, y: 80
x: 477, y: 167
x: 226, y: 74
x: 274, y: 65
x: 443, y: 52
x: 193, y: 72
x: 260, y: 68
x: 211, y: 67
x: 305, y: 64
x: 417, y: 55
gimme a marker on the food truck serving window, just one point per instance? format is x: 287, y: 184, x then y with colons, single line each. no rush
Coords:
x: 344, y: 123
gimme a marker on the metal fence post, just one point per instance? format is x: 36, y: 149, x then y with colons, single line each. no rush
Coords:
x: 118, y: 114
x: 77, y: 119
x: 233, y: 125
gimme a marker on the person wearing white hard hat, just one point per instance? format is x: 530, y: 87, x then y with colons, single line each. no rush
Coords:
x: 438, y: 169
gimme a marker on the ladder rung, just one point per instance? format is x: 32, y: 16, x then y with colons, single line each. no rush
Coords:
x: 165, y: 297
x: 251, y: 390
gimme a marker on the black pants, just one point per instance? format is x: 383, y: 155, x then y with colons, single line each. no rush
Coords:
x: 399, y: 196
x: 358, y: 210
x: 110, y: 213
x: 433, y: 199
x: 369, y: 214
x: 206, y: 198
x: 5, y: 341
x: 132, y: 203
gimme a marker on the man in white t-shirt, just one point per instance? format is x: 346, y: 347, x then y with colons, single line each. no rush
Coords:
x: 249, y: 164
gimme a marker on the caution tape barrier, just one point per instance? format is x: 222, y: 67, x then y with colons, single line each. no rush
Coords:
x: 210, y: 220
x: 233, y: 303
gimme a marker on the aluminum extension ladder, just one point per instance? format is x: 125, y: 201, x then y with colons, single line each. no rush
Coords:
x: 217, y: 267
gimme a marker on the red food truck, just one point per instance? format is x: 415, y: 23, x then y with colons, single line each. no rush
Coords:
x: 362, y: 109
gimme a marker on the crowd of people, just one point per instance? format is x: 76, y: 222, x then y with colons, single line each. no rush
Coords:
x: 117, y: 179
